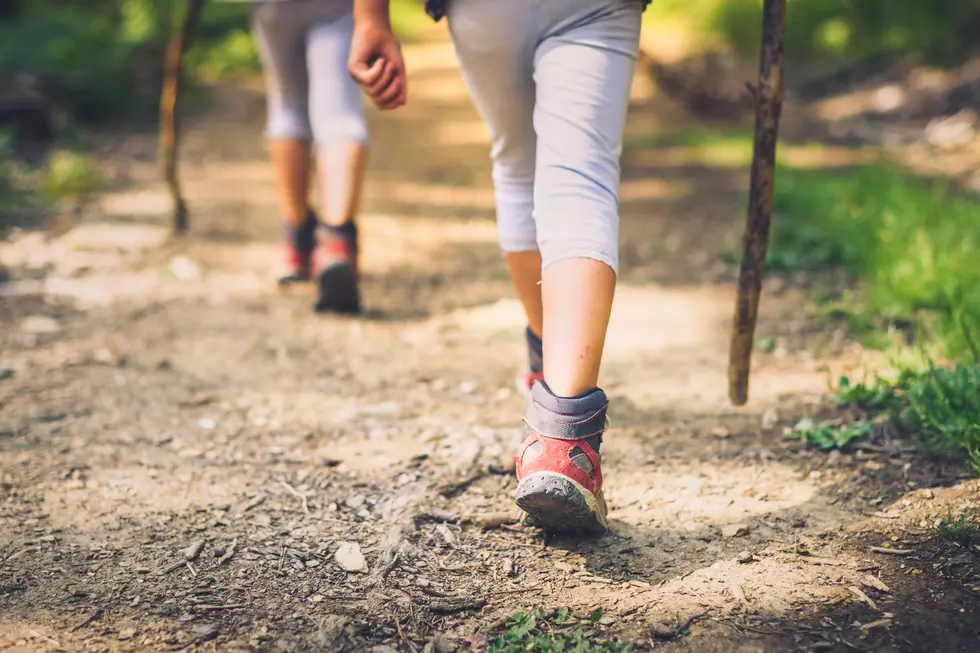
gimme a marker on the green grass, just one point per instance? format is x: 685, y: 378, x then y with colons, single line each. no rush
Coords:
x: 911, y: 242
x: 554, y: 632
x: 842, y: 30
x: 826, y: 436
x: 69, y: 175
x: 940, y: 405
x: 963, y: 527
x: 937, y: 405
x: 17, y: 185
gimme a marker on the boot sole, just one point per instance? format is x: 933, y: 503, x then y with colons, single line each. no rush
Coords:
x: 337, y: 290
x: 556, y: 503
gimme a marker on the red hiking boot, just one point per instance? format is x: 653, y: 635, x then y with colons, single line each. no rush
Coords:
x: 559, y: 470
x: 335, y: 270
x: 533, y: 373
x: 526, y: 379
x: 297, y: 251
x: 295, y: 266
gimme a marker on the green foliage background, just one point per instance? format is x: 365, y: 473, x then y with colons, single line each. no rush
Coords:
x: 933, y: 31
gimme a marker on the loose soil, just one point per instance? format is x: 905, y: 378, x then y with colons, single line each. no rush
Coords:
x: 185, y: 448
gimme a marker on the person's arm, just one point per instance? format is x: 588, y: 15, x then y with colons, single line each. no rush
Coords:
x: 375, y: 57
x: 374, y: 11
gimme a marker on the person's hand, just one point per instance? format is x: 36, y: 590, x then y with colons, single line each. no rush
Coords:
x: 376, y: 64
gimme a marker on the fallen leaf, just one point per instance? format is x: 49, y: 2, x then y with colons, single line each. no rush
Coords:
x: 872, y: 581
x: 864, y: 597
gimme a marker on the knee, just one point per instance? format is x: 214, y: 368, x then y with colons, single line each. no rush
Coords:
x: 288, y: 122
x: 577, y: 216
x: 340, y: 126
x: 514, y: 199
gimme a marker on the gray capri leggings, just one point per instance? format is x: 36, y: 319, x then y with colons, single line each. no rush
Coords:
x: 551, y: 79
x: 304, y: 46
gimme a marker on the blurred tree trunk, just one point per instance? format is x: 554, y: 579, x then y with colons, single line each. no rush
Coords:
x: 179, y: 42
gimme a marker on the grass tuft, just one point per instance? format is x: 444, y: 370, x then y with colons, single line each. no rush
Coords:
x: 962, y: 528
x: 826, y: 436
x: 940, y: 405
x: 911, y: 242
x: 552, y: 632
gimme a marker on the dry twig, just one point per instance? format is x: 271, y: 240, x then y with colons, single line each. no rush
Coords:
x: 296, y: 493
x: 229, y: 553
x: 892, y: 552
x: 89, y: 619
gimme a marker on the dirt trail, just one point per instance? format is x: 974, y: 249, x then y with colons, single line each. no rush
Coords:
x: 158, y: 394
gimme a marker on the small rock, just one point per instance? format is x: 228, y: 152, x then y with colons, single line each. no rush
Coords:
x: 720, y: 432
x: 745, y: 557
x: 312, y: 564
x: 509, y: 568
x: 142, y: 570
x: 207, y: 423
x: 439, y: 385
x: 382, y: 648
x: 405, y: 478
x: 467, y: 387
x: 37, y: 324
x: 185, y: 269
x: 447, y: 534
x: 127, y: 633
x: 735, y: 530
x: 441, y: 644
x: 350, y: 558
x: 961, y: 559
x: 770, y: 418
x: 335, y: 633
x: 355, y: 501
x: 194, y: 550
x: 927, y: 493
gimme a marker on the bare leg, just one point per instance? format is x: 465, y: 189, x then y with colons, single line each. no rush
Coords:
x: 577, y: 296
x: 340, y: 168
x: 525, y: 272
x: 291, y: 165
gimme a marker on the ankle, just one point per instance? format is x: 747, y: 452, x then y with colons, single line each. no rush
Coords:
x: 301, y: 235
x: 346, y: 232
x: 579, y: 417
x: 535, y: 351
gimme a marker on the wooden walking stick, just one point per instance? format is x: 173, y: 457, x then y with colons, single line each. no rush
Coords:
x: 769, y: 98
x: 179, y: 42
